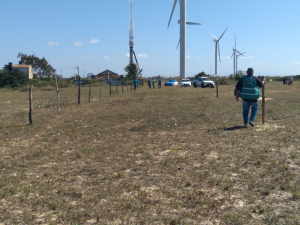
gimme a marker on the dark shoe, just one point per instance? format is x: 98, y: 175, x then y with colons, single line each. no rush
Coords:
x: 251, y: 123
x: 245, y: 126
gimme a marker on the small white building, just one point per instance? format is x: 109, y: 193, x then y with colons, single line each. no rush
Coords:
x: 26, y: 69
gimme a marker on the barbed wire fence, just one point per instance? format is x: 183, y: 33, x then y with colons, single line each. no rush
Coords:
x: 90, y: 92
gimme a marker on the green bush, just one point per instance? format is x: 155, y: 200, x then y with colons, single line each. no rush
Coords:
x: 224, y: 81
x: 12, y: 79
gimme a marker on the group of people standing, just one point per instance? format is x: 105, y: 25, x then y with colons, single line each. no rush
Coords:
x: 290, y: 80
x: 153, y: 83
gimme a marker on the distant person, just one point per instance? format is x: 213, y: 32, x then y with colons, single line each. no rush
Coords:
x: 159, y: 83
x: 135, y: 82
x: 149, y: 83
x: 284, y: 81
x: 247, y: 89
x: 153, y: 81
x: 291, y: 80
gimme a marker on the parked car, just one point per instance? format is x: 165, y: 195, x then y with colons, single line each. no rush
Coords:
x: 203, y: 82
x: 185, y: 83
x: 171, y: 82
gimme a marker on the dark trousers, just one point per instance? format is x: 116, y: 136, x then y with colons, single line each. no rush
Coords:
x: 134, y: 86
x: 159, y: 85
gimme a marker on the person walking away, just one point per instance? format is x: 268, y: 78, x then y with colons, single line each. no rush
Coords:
x: 247, y: 89
x: 135, y: 82
x: 149, y: 83
x: 153, y: 81
x: 159, y: 83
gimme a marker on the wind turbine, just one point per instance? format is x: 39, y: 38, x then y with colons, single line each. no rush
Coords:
x: 217, y: 50
x: 237, y: 55
x: 234, y: 56
x: 182, y: 34
x: 188, y: 23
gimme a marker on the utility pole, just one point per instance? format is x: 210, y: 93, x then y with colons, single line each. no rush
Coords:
x: 131, y: 31
x: 78, y: 71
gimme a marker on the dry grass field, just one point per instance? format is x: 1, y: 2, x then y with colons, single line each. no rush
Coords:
x: 161, y: 156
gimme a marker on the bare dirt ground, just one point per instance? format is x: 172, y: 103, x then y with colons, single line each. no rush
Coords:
x: 161, y: 156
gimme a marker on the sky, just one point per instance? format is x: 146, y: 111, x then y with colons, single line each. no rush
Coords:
x: 94, y: 35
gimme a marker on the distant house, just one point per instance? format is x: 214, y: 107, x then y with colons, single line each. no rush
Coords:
x: 107, y: 74
x: 26, y: 69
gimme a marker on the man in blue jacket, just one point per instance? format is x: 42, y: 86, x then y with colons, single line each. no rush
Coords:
x: 247, y: 89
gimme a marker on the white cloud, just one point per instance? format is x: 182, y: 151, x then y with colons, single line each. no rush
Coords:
x: 246, y: 57
x: 296, y: 62
x: 197, y: 57
x: 52, y: 43
x: 78, y: 43
x: 188, y: 57
x: 109, y: 58
x: 135, y: 40
x: 82, y: 57
x: 141, y: 55
x: 94, y: 40
x: 63, y: 61
x: 127, y: 55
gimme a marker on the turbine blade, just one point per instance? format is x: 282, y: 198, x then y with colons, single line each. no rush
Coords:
x: 172, y: 12
x: 178, y: 44
x: 214, y: 37
x: 232, y: 55
x: 219, y: 52
x: 223, y: 33
x: 234, y: 42
x: 192, y: 23
x: 241, y: 53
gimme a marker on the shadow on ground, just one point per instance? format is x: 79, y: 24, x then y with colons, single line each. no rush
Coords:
x: 227, y: 129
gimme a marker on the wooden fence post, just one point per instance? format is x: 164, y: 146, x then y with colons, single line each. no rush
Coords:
x: 109, y: 87
x: 131, y: 85
x: 105, y: 89
x: 57, y: 91
x: 79, y: 91
x: 127, y: 84
x: 263, y: 102
x: 30, y: 105
x: 90, y: 90
x: 122, y: 86
x: 100, y: 90
x: 116, y: 88
x: 217, y: 89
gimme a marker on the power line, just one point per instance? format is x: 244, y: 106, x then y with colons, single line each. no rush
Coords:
x: 68, y: 68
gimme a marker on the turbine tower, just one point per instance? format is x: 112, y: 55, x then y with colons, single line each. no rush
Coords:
x: 131, y: 31
x: 182, y: 35
x: 217, y: 50
x: 234, y: 56
x: 236, y: 61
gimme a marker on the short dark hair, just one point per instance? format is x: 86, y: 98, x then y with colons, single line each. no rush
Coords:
x: 250, y: 69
